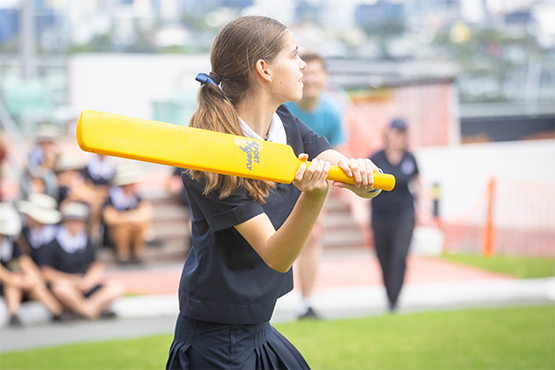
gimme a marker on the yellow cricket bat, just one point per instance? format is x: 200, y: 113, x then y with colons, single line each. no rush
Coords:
x: 197, y: 149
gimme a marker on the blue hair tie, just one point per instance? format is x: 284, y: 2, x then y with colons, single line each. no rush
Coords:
x: 203, y: 78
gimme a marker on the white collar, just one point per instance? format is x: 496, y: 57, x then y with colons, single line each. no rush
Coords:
x: 104, y: 169
x: 41, y: 236
x: 6, y: 249
x: 71, y: 243
x: 276, y: 133
x: 122, y: 201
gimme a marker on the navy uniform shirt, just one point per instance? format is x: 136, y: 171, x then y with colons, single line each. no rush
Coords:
x: 399, y: 202
x: 53, y: 255
x: 36, y: 240
x: 13, y: 252
x: 224, y: 280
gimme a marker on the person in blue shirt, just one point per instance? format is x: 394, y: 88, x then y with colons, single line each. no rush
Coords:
x: 323, y: 115
x: 318, y: 109
x: 248, y: 233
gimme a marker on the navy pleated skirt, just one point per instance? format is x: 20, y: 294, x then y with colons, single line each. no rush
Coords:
x: 204, y: 345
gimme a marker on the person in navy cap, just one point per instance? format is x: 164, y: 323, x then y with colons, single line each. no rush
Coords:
x: 393, y: 213
x: 248, y: 233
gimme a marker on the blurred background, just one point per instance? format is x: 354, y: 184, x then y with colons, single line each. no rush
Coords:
x: 474, y: 79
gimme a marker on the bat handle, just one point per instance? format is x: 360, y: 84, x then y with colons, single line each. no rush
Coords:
x: 381, y: 180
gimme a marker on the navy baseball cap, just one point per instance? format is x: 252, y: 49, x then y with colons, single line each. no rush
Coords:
x: 398, y: 124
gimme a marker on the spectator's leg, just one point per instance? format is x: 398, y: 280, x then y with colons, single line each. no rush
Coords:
x: 360, y: 213
x: 13, y: 296
x: 73, y: 298
x: 308, y: 265
x: 101, y: 299
x: 95, y: 204
x: 138, y: 239
x: 40, y: 293
x: 398, y: 262
x: 121, y: 236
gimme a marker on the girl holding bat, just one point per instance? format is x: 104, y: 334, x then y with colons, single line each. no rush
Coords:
x: 247, y: 233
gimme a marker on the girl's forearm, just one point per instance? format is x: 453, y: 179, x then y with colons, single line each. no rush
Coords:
x: 286, y: 244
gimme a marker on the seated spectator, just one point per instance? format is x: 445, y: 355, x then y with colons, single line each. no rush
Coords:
x: 127, y: 218
x: 38, y: 181
x: 73, y: 188
x: 69, y: 265
x: 44, y: 153
x: 19, y: 276
x: 39, y: 176
x: 70, y: 181
x: 100, y: 171
x: 41, y: 217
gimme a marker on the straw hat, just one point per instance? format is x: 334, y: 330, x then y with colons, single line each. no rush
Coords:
x: 126, y: 176
x: 66, y: 163
x: 75, y: 211
x: 46, y: 133
x: 40, y: 207
x: 10, y: 222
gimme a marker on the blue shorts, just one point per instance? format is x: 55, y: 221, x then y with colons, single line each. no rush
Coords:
x: 204, y: 345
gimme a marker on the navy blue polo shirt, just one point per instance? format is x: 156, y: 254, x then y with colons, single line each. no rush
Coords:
x: 399, y: 202
x: 53, y: 255
x: 224, y: 280
x: 5, y: 260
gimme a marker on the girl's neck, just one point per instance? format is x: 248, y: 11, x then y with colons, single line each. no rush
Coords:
x: 257, y: 112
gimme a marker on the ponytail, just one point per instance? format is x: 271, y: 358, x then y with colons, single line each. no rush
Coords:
x: 216, y: 113
x: 236, y: 49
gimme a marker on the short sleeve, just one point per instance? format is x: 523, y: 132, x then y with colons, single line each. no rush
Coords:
x: 90, y: 250
x: 416, y: 170
x: 219, y: 213
x: 16, y: 250
x: 44, y: 256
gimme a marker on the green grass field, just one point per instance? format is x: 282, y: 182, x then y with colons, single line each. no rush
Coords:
x: 504, y: 338
x: 521, y: 267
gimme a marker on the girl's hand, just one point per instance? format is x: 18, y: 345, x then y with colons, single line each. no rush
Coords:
x: 362, y: 170
x: 312, y: 180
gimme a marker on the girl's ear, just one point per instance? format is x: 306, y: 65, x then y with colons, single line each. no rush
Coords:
x: 263, y: 70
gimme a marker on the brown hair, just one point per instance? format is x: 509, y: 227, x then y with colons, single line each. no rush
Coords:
x: 236, y: 49
x: 313, y: 57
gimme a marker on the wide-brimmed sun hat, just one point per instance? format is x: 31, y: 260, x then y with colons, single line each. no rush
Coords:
x: 47, y: 133
x: 126, y: 176
x: 41, y: 208
x: 10, y: 222
x: 75, y: 211
x: 67, y: 163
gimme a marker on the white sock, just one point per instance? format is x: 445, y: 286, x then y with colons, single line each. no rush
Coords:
x: 305, y: 305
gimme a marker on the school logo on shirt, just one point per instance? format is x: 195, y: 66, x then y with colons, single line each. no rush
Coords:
x: 250, y: 153
x: 407, y: 166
